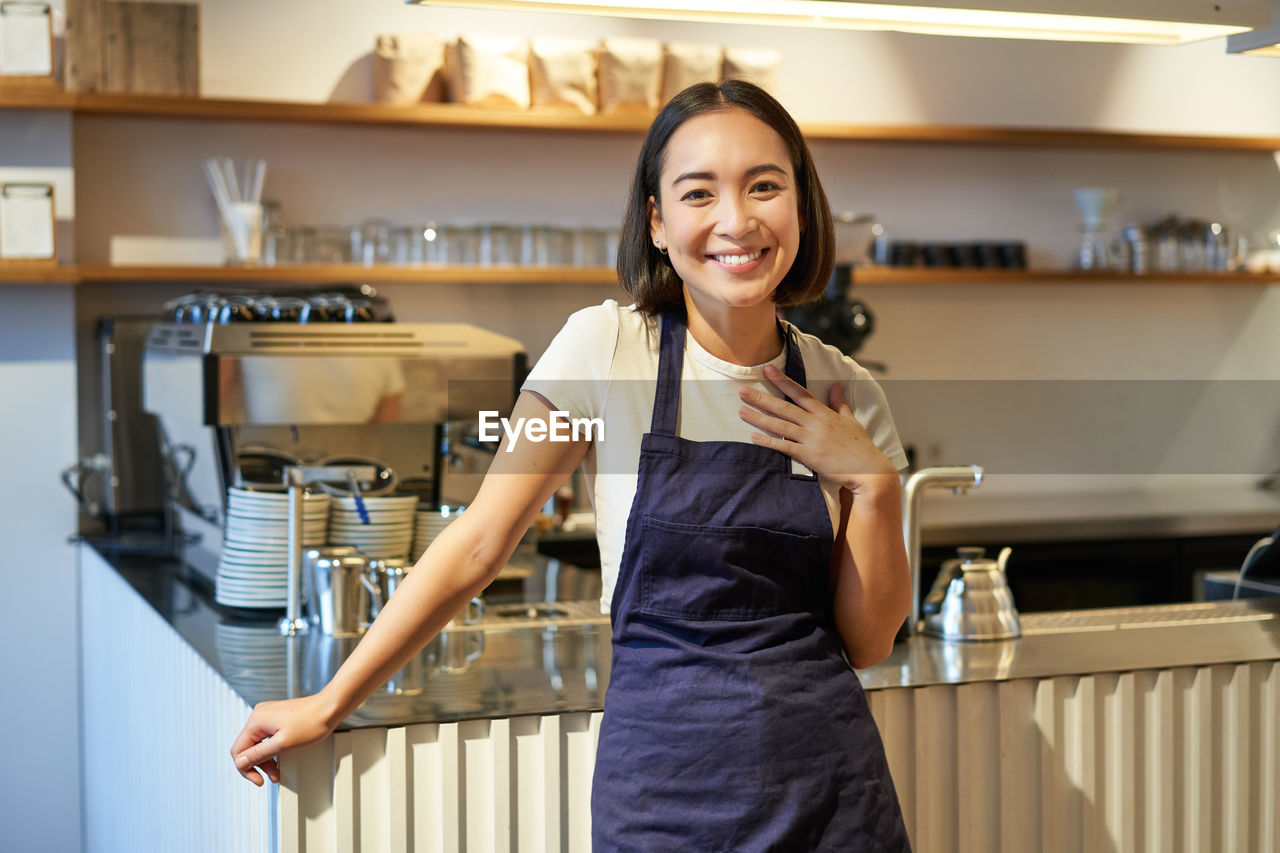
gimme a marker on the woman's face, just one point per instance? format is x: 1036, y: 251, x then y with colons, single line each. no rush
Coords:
x: 727, y: 209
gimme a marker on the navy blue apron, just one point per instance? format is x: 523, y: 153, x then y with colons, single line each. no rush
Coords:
x: 732, y: 720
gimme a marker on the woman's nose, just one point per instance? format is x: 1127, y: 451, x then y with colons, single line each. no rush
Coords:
x: 736, y: 218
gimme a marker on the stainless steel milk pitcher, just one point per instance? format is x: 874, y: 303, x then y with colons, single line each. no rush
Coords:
x: 341, y: 594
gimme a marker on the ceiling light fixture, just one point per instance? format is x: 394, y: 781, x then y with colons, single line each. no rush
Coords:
x: 1259, y: 42
x: 1125, y: 21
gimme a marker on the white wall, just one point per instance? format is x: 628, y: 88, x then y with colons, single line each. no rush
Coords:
x: 142, y: 195
x: 40, y: 762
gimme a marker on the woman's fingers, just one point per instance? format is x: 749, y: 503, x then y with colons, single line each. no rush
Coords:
x: 777, y: 426
x: 775, y: 443
x: 262, y: 756
x: 271, y: 767
x: 258, y: 754
x: 251, y: 734
x: 769, y: 403
x: 257, y: 745
x: 836, y: 401
x: 788, y: 386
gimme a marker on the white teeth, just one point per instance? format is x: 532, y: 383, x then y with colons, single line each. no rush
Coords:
x: 734, y: 260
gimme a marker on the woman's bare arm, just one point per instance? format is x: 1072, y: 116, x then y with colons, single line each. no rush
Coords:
x: 872, y: 582
x: 461, y: 562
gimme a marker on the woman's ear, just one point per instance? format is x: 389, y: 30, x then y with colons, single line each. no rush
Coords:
x: 656, y: 232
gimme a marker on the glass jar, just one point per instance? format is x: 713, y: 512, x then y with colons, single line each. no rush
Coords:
x: 591, y: 247
x: 461, y: 244
x: 332, y: 245
x: 427, y: 246
x: 500, y: 244
x: 371, y: 242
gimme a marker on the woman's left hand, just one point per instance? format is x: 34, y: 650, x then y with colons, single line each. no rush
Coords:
x: 825, y: 437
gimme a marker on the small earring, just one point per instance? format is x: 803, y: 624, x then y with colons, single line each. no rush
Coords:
x: 661, y: 248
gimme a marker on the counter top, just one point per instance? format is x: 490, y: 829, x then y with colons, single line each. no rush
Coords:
x: 976, y: 516
x: 460, y: 675
x: 519, y: 671
x: 1113, y: 639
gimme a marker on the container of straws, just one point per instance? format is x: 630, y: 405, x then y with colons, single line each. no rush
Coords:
x: 238, y: 194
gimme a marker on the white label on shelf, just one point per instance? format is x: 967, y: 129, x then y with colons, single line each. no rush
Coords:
x: 25, y: 47
x: 26, y: 221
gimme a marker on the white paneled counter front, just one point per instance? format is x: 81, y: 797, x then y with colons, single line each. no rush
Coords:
x: 1140, y: 729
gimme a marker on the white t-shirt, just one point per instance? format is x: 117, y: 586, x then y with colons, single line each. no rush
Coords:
x: 604, y: 364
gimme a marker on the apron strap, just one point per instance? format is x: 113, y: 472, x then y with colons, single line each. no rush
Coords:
x: 795, y: 364
x: 666, y: 402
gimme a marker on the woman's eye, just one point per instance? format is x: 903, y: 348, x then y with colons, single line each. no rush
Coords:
x: 765, y: 187
x: 695, y: 195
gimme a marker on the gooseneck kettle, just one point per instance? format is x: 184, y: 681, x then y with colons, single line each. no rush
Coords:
x: 971, y: 599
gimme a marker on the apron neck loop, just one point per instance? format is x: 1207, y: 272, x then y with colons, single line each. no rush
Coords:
x: 666, y: 403
x: 795, y: 364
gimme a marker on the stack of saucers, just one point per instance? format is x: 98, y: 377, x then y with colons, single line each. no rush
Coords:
x: 427, y: 525
x: 253, y: 568
x: 389, y: 532
x: 254, y: 659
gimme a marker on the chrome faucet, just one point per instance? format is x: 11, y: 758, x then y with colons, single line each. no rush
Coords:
x: 958, y: 477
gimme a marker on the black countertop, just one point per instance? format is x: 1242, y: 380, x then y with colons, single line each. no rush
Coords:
x: 519, y: 671
x: 470, y: 674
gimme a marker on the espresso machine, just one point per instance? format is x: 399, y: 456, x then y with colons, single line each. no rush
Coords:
x: 236, y: 403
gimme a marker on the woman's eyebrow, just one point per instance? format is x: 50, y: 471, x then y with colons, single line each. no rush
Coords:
x: 710, y: 176
x: 694, y: 176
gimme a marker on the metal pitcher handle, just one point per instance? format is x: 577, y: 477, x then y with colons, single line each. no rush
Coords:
x: 375, y: 593
x: 476, y: 643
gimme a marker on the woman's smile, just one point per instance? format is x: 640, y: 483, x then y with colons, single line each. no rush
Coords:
x: 739, y: 261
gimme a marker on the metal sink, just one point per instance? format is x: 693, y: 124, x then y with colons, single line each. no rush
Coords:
x: 536, y: 614
x: 1128, y: 618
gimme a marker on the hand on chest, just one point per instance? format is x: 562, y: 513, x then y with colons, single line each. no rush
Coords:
x: 709, y: 406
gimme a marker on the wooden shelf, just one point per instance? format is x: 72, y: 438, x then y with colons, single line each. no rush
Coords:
x: 13, y: 272
x: 557, y: 120
x: 943, y: 276
x: 25, y: 98
x: 322, y: 274
x: 1027, y: 137
x: 348, y: 273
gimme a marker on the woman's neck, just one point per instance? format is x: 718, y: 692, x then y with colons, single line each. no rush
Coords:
x: 745, y: 336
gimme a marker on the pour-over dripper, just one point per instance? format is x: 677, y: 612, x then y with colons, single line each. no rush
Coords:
x: 1097, y: 206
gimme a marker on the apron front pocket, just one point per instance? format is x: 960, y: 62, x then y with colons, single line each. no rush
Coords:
x: 709, y: 573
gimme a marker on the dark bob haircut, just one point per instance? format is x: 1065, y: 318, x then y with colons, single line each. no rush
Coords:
x: 647, y: 274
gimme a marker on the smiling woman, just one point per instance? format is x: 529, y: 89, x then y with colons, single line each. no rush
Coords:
x: 750, y: 574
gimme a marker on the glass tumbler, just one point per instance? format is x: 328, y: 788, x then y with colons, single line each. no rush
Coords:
x: 403, y: 245
x: 371, y: 242
x: 500, y: 244
x: 591, y: 247
x: 461, y: 244
x: 332, y: 246
x: 300, y: 245
x: 426, y: 246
